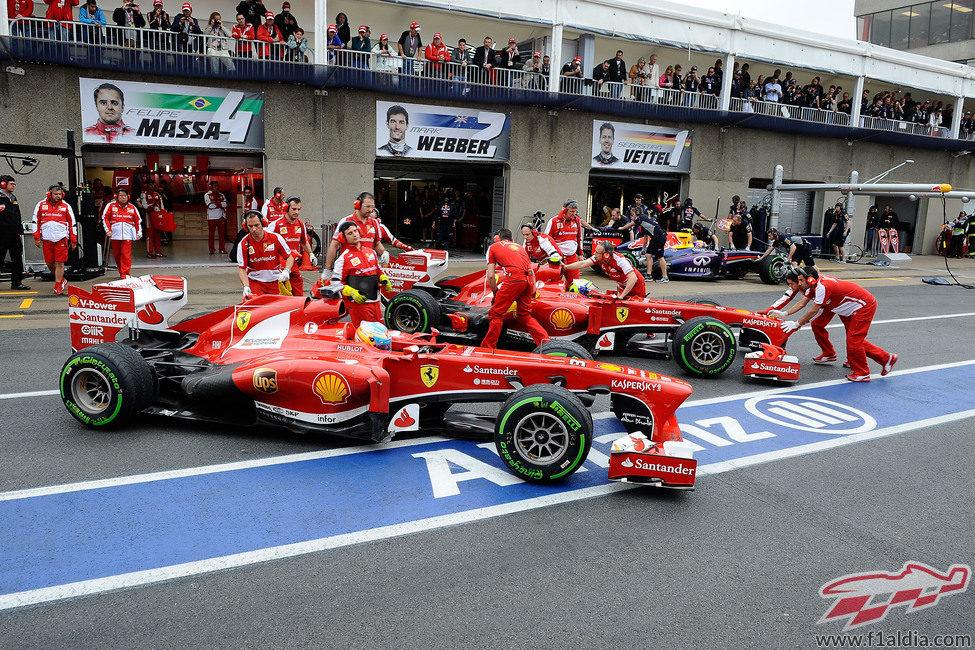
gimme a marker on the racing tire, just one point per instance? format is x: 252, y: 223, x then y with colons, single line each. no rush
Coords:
x: 654, y: 272
x: 631, y: 258
x: 412, y: 311
x: 316, y: 243
x: 543, y: 433
x: 705, y: 301
x: 105, y: 385
x: 704, y: 347
x: 563, y: 349
x: 772, y: 269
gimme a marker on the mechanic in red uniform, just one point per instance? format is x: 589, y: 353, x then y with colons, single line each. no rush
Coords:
x: 856, y: 307
x: 363, y: 216
x: 258, y: 258
x: 629, y: 282
x: 818, y: 324
x: 122, y: 222
x: 152, y: 202
x: 566, y: 229
x: 518, y: 287
x: 54, y: 228
x: 358, y: 277
x: 540, y: 247
x: 275, y: 207
x: 296, y: 234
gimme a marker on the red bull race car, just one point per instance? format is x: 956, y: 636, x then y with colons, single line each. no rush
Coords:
x: 702, y: 337
x: 286, y: 362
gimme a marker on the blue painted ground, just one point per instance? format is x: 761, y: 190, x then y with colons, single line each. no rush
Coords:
x: 57, y: 539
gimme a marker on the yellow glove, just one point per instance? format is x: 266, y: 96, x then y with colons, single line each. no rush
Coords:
x: 555, y: 259
x: 352, y: 294
x: 383, y: 281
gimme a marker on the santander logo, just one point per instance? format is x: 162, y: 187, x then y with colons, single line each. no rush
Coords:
x: 404, y: 419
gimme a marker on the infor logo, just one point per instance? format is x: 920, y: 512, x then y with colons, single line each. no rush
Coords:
x: 811, y: 414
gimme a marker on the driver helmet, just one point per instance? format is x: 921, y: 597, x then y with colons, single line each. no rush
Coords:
x: 374, y: 334
x: 583, y: 287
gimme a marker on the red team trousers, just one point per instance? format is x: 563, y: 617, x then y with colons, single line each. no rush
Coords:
x: 263, y: 288
x: 519, y: 291
x: 858, y: 348
x: 122, y: 251
x: 574, y: 273
x: 367, y: 311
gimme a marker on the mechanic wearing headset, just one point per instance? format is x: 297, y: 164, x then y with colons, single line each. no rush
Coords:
x: 294, y: 232
x: 566, y: 229
x: 540, y: 246
x: 258, y: 255
x: 364, y: 217
x: 54, y: 225
x: 122, y: 222
x: 358, y: 277
x: 799, y: 251
x: 818, y: 324
x: 275, y: 207
x: 518, y: 287
x: 616, y: 268
x: 856, y: 307
x: 11, y: 233
x: 704, y: 234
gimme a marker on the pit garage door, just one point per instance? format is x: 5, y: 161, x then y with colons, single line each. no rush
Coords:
x: 795, y: 211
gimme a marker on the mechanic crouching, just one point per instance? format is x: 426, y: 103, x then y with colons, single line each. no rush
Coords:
x: 357, y: 276
x: 617, y: 268
x: 518, y: 288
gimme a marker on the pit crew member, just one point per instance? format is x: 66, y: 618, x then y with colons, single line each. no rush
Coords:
x: 216, y: 204
x: 122, y: 222
x: 704, y: 234
x: 11, y: 233
x: 856, y: 307
x: 540, y: 247
x: 152, y: 202
x: 296, y: 234
x: 275, y: 207
x: 364, y: 217
x: 55, y: 230
x: 517, y: 287
x: 358, y: 277
x: 258, y: 258
x: 818, y: 324
x: 687, y: 214
x: 566, y: 229
x: 799, y: 250
x: 740, y: 234
x: 629, y: 282
x: 656, y: 242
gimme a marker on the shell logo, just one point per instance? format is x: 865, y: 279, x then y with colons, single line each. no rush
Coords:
x: 610, y: 367
x: 331, y: 388
x: 562, y: 319
x: 74, y: 301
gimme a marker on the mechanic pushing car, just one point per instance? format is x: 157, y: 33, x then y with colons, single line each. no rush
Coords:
x: 517, y: 288
x: 357, y: 276
x: 818, y: 324
x: 293, y: 230
x: 629, y: 282
x: 703, y: 234
x: 566, y: 229
x: 799, y: 251
x: 856, y: 307
x: 258, y: 255
x: 540, y: 247
x: 363, y: 216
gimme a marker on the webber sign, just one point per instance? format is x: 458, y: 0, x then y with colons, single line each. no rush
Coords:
x: 618, y: 145
x: 163, y: 115
x: 441, y: 132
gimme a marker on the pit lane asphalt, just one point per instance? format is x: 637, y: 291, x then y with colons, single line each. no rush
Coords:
x: 736, y: 563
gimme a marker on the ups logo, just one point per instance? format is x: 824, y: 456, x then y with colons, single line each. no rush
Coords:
x: 266, y: 380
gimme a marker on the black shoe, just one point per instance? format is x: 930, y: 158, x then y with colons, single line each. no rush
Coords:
x: 22, y: 287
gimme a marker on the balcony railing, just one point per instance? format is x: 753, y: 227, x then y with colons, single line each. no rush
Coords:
x: 206, y: 55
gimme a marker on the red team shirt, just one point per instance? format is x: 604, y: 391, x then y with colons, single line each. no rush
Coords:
x: 54, y: 222
x: 511, y: 259
x: 370, y: 231
x: 567, y: 233
x: 542, y: 246
x: 617, y: 269
x: 273, y: 210
x: 355, y: 262
x: 122, y: 222
x: 295, y: 234
x: 262, y: 259
x: 841, y: 297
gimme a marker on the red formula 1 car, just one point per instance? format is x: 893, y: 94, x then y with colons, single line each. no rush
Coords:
x: 286, y: 362
x: 703, y: 337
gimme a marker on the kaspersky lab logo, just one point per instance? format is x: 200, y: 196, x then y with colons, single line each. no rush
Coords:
x: 865, y: 598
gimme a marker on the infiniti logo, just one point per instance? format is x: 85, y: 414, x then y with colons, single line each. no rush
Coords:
x: 701, y: 260
x: 811, y: 414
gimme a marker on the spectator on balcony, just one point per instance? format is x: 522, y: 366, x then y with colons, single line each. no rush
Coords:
x: 334, y: 46
x: 711, y: 83
x: 485, y: 61
x: 158, y: 20
x: 509, y: 62
x: 286, y: 21
x: 909, y: 106
x: 298, y: 49
x: 243, y: 32
x: 93, y: 21
x: 678, y: 81
x: 666, y: 84
x: 934, y: 122
x: 617, y: 74
x: 746, y: 77
x: 773, y: 91
x: 600, y: 79
x: 638, y: 75
x: 719, y: 71
x: 362, y: 44
x: 923, y: 112
x: 22, y: 9
x: 130, y: 17
x: 410, y: 46
x: 738, y: 87
x: 692, y: 85
x: 436, y: 54
x: 185, y: 26
x: 253, y: 11
x: 384, y: 59
x: 270, y: 36
x: 534, y: 78
x: 845, y: 105
x: 571, y: 76
x: 967, y: 125
x: 342, y: 28
x: 218, y: 45
x: 653, y: 78
x: 60, y: 12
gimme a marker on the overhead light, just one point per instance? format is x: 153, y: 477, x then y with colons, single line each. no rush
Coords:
x: 956, y: 7
x: 910, y: 14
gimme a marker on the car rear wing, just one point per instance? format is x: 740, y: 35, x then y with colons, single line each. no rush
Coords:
x: 146, y: 302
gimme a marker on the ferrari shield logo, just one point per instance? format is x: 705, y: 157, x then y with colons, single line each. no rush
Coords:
x: 243, y: 320
x: 622, y: 313
x: 429, y: 375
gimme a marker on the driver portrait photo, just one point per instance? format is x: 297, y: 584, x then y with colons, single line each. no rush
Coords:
x: 397, y: 120
x: 607, y: 135
x: 110, y: 104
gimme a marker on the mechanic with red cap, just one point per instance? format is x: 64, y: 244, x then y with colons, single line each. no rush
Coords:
x: 629, y: 282
x: 296, y: 234
x: 818, y: 324
x: 258, y: 258
x: 517, y: 287
x: 566, y: 229
x: 122, y: 222
x: 54, y: 228
x: 856, y: 307
x: 358, y: 277
x: 369, y: 231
